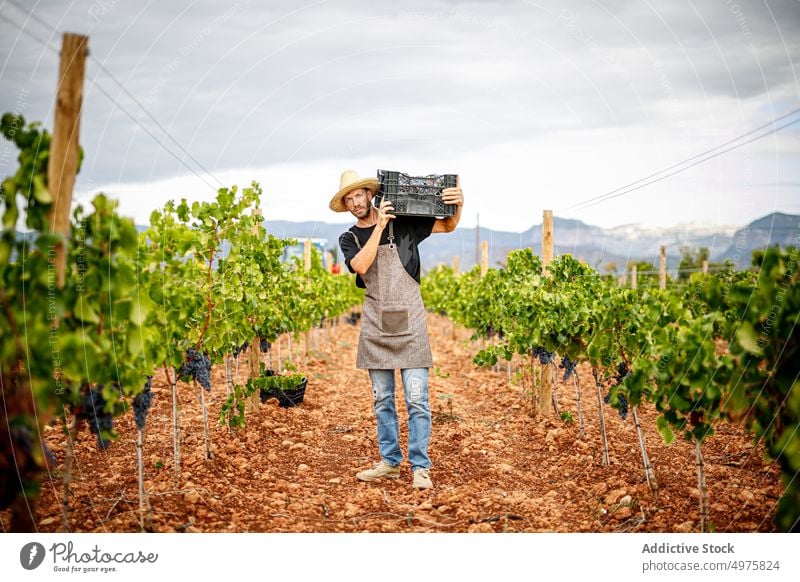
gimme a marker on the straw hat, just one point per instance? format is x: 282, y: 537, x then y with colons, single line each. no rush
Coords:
x: 350, y: 181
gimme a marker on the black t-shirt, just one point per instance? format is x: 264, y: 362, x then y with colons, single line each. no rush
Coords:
x: 408, y: 233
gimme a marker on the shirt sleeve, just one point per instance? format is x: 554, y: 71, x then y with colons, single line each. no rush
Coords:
x: 424, y: 226
x: 349, y: 249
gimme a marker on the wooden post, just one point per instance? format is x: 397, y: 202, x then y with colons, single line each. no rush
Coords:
x: 63, y: 157
x: 634, y: 282
x: 547, y: 240
x: 307, y: 254
x: 549, y: 370
x: 705, y: 267
x: 662, y: 269
x: 329, y: 261
x: 484, y: 257
x: 255, y: 343
x: 455, y: 264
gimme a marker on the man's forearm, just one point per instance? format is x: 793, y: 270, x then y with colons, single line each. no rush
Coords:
x: 366, y: 256
x: 451, y: 222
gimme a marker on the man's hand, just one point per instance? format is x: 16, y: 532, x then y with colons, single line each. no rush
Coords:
x: 384, y: 215
x: 454, y: 195
x: 450, y: 196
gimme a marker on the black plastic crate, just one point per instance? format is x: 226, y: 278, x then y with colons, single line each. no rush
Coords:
x: 415, y: 195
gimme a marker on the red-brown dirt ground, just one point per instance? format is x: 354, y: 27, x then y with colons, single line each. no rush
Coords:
x: 495, y: 468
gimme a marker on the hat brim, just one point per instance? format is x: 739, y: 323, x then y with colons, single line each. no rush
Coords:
x: 337, y: 202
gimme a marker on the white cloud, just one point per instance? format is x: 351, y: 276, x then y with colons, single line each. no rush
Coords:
x: 577, y: 98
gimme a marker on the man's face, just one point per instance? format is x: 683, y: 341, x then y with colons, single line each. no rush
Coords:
x: 358, y: 202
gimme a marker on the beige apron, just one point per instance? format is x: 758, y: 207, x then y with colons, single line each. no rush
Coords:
x: 394, y: 334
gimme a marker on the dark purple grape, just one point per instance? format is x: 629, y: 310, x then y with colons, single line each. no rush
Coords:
x: 238, y: 350
x: 197, y: 366
x: 100, y: 422
x: 544, y: 356
x: 142, y: 403
x: 568, y: 366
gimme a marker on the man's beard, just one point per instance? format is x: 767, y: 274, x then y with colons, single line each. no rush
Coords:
x: 363, y: 213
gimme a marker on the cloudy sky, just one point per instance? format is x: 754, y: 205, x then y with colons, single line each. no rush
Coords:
x: 537, y: 105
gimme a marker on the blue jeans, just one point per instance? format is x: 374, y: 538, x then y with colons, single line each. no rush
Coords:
x: 415, y: 386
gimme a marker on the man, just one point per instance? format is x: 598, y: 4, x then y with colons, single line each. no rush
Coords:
x: 394, y: 334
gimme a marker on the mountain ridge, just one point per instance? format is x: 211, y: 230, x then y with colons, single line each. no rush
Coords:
x: 598, y: 246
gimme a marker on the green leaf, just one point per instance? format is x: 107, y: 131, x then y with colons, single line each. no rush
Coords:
x: 746, y: 336
x: 40, y: 191
x: 135, y: 343
x: 665, y: 430
x: 139, y: 313
x: 86, y: 312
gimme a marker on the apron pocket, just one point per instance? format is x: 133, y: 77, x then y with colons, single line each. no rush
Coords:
x: 394, y: 321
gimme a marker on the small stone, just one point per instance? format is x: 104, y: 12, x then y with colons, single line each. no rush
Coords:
x: 623, y: 513
x: 552, y: 436
x: 626, y: 500
x: 685, y: 527
x: 192, y: 497
x: 302, y: 467
x: 614, y: 496
x: 335, y: 480
x: 599, y: 489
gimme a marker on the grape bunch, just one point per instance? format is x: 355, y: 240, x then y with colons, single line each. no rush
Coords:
x: 238, y: 350
x: 21, y: 446
x: 99, y: 420
x: 544, y: 356
x: 491, y: 331
x: 622, y: 372
x: 197, y: 366
x: 264, y: 345
x: 622, y: 404
x: 142, y: 403
x: 568, y: 366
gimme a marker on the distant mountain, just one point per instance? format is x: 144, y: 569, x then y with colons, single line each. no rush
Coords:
x: 775, y: 228
x: 597, y: 246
